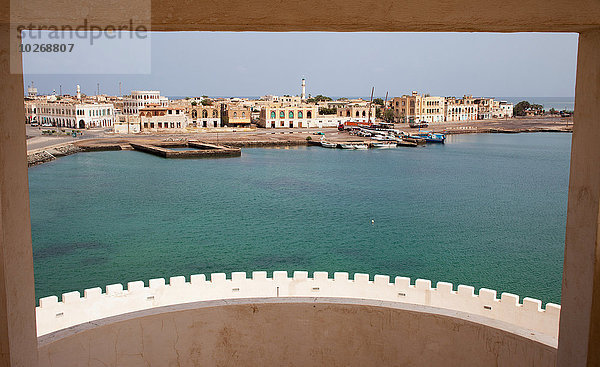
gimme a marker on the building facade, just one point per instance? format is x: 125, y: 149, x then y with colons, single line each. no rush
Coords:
x: 143, y: 98
x: 163, y: 119
x: 460, y: 109
x: 277, y: 116
x: 417, y: 107
x: 75, y: 115
x: 205, y: 116
x: 357, y: 112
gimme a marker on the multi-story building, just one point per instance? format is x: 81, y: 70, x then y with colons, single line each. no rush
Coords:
x: 143, y: 98
x: 417, y: 107
x: 158, y: 119
x: 31, y: 111
x: 233, y: 115
x: 460, y: 109
x: 127, y: 124
x: 505, y: 110
x: 75, y: 115
x: 357, y: 112
x: 485, y: 108
x: 282, y: 116
x: 206, y: 116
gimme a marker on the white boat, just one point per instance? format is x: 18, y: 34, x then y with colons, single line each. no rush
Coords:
x: 384, y: 145
x: 326, y: 144
x: 347, y: 146
x: 378, y: 137
x: 361, y: 146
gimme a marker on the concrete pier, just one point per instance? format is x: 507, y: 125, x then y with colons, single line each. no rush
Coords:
x: 201, y: 150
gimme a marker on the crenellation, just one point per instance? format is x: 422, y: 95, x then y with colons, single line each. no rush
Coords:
x: 340, y: 276
x: 238, y: 276
x: 53, y: 315
x: 423, y: 284
x: 135, y: 286
x: 47, y: 302
x: 466, y: 291
x: 93, y: 293
x: 259, y: 275
x: 178, y: 281
x: 361, y: 278
x: 156, y: 283
x: 71, y: 297
x: 198, y: 279
x: 114, y: 289
x: 532, y: 304
x: 300, y: 275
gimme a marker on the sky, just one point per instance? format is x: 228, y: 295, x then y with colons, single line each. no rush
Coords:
x: 334, y: 64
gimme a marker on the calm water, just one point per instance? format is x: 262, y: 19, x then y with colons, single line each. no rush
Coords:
x: 483, y: 210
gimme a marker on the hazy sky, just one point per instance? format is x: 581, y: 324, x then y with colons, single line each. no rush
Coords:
x: 335, y: 64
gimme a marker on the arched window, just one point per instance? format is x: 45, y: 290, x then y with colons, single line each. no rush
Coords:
x: 214, y: 114
x: 300, y: 114
x: 309, y: 114
x: 272, y: 114
x: 194, y: 114
x: 357, y: 114
x: 348, y: 113
x: 364, y: 113
x: 204, y: 114
x: 243, y: 114
x: 281, y: 114
x: 235, y: 114
x: 291, y: 114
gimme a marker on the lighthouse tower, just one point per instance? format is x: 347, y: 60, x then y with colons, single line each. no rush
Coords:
x: 303, y: 89
x: 78, y: 92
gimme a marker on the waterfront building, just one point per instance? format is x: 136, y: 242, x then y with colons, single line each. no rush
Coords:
x: 70, y: 113
x: 30, y: 111
x: 126, y: 124
x: 235, y: 115
x: 460, y: 109
x: 288, y: 116
x: 143, y: 98
x: 505, y: 110
x: 205, y: 116
x: 285, y: 99
x: 418, y: 107
x: 357, y: 112
x: 156, y: 119
x: 485, y: 108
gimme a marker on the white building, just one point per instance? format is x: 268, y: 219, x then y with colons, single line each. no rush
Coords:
x: 163, y: 119
x: 505, y: 110
x: 76, y: 115
x: 143, y: 98
x: 279, y: 116
x: 127, y: 124
x: 461, y: 109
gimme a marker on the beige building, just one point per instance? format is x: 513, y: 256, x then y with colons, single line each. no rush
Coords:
x: 158, y: 119
x: 205, y: 116
x: 418, y: 107
x: 357, y: 112
x: 236, y: 115
x: 460, y: 109
x: 277, y: 116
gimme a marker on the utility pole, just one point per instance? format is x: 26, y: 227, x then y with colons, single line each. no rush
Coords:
x: 120, y: 94
x: 60, y: 89
x: 370, y: 102
x: 98, y: 90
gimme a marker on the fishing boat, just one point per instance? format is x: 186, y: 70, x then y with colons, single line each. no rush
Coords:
x: 431, y: 137
x: 326, y: 144
x: 361, y: 146
x: 384, y: 145
x: 347, y: 146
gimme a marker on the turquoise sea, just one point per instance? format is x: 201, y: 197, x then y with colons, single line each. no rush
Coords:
x: 486, y: 210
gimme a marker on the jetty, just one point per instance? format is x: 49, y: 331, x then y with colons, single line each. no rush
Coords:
x: 190, y: 149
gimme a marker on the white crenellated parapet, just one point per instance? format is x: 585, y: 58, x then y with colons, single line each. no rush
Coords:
x: 52, y: 315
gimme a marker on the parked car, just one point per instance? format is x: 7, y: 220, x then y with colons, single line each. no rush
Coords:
x: 46, y: 124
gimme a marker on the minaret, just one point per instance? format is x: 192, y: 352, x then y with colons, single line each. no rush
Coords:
x: 303, y: 89
x: 78, y: 92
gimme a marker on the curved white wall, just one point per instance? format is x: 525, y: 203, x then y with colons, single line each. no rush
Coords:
x: 52, y: 315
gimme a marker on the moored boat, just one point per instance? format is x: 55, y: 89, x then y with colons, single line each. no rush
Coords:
x: 361, y: 146
x: 326, y: 144
x: 347, y: 146
x: 384, y: 145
